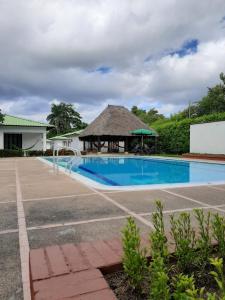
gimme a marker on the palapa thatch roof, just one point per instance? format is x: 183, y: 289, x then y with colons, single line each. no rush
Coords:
x: 114, y: 121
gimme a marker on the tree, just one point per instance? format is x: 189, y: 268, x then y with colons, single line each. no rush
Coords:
x: 147, y: 117
x: 213, y: 102
x: 65, y: 118
x: 1, y: 117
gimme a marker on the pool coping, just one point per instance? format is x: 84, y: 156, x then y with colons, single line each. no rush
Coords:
x: 96, y: 185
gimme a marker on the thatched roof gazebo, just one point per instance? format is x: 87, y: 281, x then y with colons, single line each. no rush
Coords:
x: 112, y: 130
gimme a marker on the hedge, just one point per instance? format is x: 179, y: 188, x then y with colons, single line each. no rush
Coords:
x: 174, y: 136
x: 19, y: 153
x: 10, y: 153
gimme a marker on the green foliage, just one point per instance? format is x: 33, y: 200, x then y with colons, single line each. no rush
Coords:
x: 157, y: 237
x: 174, y: 136
x: 147, y: 117
x: 159, y: 287
x: 204, y: 240
x: 218, y: 226
x: 64, y: 117
x: 184, y: 287
x: 134, y: 260
x: 219, y: 275
x: 1, y: 117
x: 184, y: 237
x: 10, y: 153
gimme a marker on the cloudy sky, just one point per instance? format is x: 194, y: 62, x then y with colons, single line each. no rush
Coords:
x: 92, y: 53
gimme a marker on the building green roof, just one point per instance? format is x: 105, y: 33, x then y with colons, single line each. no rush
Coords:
x: 76, y: 132
x: 59, y: 137
x: 16, y: 121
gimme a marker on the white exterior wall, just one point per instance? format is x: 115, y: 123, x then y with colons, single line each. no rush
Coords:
x: 30, y: 136
x: 1, y: 139
x: 208, y: 138
x: 76, y: 143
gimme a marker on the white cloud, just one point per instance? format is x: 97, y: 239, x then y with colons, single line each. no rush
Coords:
x: 50, y: 50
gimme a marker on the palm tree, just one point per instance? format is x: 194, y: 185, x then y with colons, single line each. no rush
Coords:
x: 64, y: 117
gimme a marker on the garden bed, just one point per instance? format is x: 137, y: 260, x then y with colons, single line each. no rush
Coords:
x: 119, y: 283
x: 194, y: 271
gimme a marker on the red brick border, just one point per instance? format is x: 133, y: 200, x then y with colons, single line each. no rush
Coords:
x: 204, y: 156
x: 74, y: 271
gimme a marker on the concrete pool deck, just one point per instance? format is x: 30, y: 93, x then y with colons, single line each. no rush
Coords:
x: 39, y: 207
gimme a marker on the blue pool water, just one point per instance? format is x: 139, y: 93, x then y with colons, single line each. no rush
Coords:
x: 129, y: 171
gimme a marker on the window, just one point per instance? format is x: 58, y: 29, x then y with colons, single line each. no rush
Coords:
x: 12, y: 141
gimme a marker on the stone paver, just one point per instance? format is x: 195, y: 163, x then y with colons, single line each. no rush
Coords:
x: 53, y: 189
x: 68, y: 210
x: 144, y: 201
x: 10, y: 272
x: 7, y: 193
x: 83, y: 218
x: 8, y: 216
x: 55, y: 273
x: 203, y: 194
x: 78, y: 233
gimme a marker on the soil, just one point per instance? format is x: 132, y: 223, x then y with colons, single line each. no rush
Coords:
x: 123, y: 291
x: 119, y: 283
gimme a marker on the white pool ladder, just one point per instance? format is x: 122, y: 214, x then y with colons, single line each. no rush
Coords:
x: 69, y: 162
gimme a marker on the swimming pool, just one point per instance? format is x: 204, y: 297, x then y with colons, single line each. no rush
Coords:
x: 142, y: 171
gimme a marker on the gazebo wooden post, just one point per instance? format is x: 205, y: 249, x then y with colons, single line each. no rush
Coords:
x: 126, y: 145
x: 99, y: 145
x: 91, y: 145
x: 84, y: 146
x: 155, y: 144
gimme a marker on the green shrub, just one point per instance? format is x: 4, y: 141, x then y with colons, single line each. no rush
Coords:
x: 34, y: 153
x: 204, y: 240
x: 11, y: 153
x: 184, y: 237
x: 159, y: 280
x: 174, y: 136
x: 219, y: 275
x: 48, y: 152
x: 218, y: 226
x: 157, y: 237
x: 134, y: 258
x: 184, y: 287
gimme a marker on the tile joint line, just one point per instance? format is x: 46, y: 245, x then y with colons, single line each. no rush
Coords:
x: 23, y: 240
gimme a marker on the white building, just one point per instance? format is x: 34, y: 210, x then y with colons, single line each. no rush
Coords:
x: 208, y: 138
x: 70, y: 140
x: 19, y: 133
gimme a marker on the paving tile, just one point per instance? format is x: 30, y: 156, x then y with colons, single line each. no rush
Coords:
x: 69, y: 210
x: 38, y: 264
x: 144, y: 201
x: 79, y: 233
x: 75, y: 259
x: 116, y: 245
x: 70, y: 285
x: 8, y: 216
x: 49, y: 189
x: 92, y: 255
x: 203, y: 194
x: 108, y: 254
x: 7, y: 178
x: 56, y: 260
x: 7, y: 193
x: 10, y: 273
x: 106, y: 294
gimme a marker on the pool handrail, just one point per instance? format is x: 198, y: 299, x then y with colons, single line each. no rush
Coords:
x: 76, y: 153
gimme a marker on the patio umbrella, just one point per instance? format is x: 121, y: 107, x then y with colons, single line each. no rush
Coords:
x: 143, y: 132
